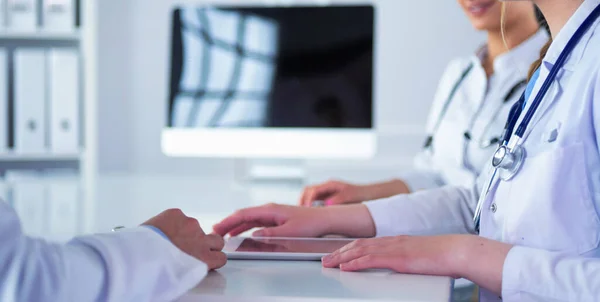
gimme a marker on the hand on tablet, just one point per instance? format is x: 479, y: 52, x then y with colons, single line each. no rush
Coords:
x: 276, y: 221
x: 352, y: 221
x: 186, y: 234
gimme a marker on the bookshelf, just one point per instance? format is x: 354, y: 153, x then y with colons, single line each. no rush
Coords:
x: 37, y: 157
x: 40, y: 36
x: 83, y: 161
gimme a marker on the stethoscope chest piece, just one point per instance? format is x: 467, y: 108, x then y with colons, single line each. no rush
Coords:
x: 508, y: 161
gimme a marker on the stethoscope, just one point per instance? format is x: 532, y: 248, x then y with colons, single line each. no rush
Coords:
x: 510, y: 155
x: 483, y: 144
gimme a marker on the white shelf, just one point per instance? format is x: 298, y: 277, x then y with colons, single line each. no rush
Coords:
x: 15, y: 157
x: 39, y: 35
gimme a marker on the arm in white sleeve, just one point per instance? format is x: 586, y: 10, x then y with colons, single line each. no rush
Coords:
x: 132, y: 265
x: 447, y: 210
x: 538, y: 275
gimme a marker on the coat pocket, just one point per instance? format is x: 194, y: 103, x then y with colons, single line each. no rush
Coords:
x: 549, y: 203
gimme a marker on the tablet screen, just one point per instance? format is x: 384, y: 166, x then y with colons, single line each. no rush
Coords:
x: 309, y: 246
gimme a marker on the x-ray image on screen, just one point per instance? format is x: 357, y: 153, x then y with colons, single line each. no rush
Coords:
x: 226, y: 71
x: 297, y: 67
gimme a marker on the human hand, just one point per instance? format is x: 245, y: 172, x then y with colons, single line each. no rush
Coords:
x: 291, y: 221
x: 475, y: 258
x: 438, y: 255
x: 186, y: 234
x: 334, y: 193
x: 276, y: 221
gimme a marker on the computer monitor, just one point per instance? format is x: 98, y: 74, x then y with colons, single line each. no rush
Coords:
x: 271, y: 82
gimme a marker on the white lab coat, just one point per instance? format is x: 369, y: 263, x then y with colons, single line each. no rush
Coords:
x: 551, y: 206
x: 477, y: 99
x: 132, y: 265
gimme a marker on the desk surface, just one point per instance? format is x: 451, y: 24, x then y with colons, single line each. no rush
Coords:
x: 246, y: 281
x: 253, y: 281
x: 130, y: 201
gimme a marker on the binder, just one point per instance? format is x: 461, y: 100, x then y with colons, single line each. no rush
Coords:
x: 28, y: 199
x: 3, y: 15
x: 63, y: 213
x: 22, y: 15
x: 64, y: 92
x: 4, y: 126
x: 30, y: 205
x: 30, y: 101
x: 58, y: 15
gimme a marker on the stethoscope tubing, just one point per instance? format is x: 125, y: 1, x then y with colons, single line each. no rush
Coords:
x: 509, y: 147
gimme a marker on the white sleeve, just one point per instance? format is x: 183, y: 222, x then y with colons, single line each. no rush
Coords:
x: 133, y: 265
x: 538, y: 275
x: 447, y: 210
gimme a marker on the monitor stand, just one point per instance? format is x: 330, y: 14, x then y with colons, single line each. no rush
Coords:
x: 271, y: 180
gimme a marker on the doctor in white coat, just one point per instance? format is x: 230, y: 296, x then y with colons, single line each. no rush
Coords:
x: 539, y: 229
x: 158, y: 261
x: 469, y: 110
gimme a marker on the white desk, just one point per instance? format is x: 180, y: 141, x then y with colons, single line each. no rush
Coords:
x: 254, y: 281
x: 266, y: 281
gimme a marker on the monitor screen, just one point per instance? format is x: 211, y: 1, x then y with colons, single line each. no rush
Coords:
x: 272, y: 67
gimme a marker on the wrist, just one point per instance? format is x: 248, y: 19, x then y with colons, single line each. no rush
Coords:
x: 330, y: 218
x: 371, y: 192
x: 348, y: 220
x: 386, y: 189
x: 459, y: 254
x: 157, y: 231
x: 480, y: 260
x: 398, y: 186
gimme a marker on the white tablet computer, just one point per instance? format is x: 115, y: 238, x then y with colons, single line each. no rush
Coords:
x: 278, y: 248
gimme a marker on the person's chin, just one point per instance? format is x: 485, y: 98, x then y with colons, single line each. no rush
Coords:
x: 481, y: 25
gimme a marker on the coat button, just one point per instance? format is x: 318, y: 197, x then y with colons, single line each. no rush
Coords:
x: 493, y: 207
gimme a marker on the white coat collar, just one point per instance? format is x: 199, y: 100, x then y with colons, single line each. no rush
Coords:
x: 524, y: 54
x: 520, y: 57
x: 567, y: 32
